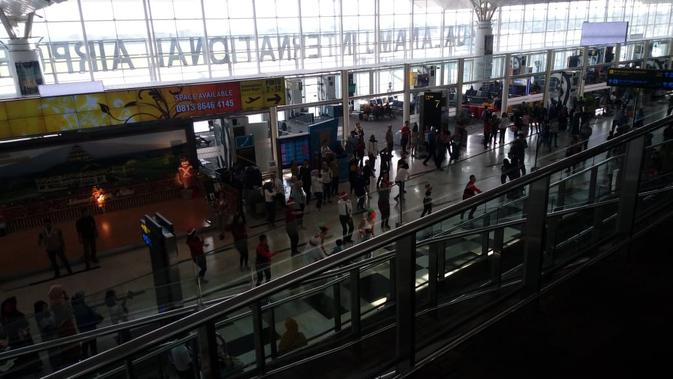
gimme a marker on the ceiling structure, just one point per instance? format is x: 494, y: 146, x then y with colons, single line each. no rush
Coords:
x: 21, y: 8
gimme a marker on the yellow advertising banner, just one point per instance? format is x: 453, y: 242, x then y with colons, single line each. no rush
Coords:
x: 39, y: 116
x: 262, y: 94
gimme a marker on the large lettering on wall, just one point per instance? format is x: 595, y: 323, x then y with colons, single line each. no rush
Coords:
x: 114, y: 54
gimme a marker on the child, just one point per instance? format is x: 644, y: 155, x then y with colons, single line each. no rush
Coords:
x: 427, y: 200
x: 339, y: 246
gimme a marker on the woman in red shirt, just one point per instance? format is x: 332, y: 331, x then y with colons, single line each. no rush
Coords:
x: 263, y: 260
x: 470, y: 190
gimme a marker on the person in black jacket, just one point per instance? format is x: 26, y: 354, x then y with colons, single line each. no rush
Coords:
x: 87, y: 233
x: 87, y: 320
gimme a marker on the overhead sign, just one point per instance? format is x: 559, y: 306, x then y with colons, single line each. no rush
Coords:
x: 640, y: 78
x: 258, y: 94
x: 38, y: 116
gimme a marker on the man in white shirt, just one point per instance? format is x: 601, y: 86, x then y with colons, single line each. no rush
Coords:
x: 278, y: 187
x: 402, y: 176
x: 346, y: 217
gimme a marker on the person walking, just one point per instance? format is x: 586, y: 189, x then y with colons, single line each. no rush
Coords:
x: 45, y: 323
x: 384, y: 204
x: 517, y: 153
x: 372, y: 148
x: 64, y: 320
x: 16, y: 333
x: 51, y: 239
x: 400, y: 179
x: 292, y: 214
x: 389, y: 138
x: 503, y: 124
x: 305, y: 177
x: 87, y: 320
x: 119, y: 313
x: 299, y: 197
x: 431, y: 143
x: 270, y: 202
x: 553, y: 133
x: 196, y: 245
x: 326, y: 179
x: 469, y: 191
x: 263, y: 260
x: 87, y: 233
x: 240, y: 234
x: 405, y: 136
x: 360, y: 190
x: 427, y: 200
x: 316, y: 185
x: 346, y: 217
x: 386, y: 157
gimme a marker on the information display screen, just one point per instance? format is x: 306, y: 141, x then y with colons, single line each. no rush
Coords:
x: 603, y: 33
x: 293, y: 149
x: 640, y: 78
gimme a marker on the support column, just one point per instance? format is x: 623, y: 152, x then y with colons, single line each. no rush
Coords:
x: 483, y: 49
x: 583, y: 71
x: 535, y: 234
x: 459, y: 83
x: 345, y: 108
x: 406, y: 107
x: 547, y: 77
x: 24, y: 66
x: 275, y: 152
x: 505, y: 83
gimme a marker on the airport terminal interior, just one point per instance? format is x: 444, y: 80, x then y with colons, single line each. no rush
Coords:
x: 335, y: 188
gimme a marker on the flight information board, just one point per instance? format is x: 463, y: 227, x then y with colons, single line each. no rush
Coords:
x: 640, y: 78
x: 294, y: 149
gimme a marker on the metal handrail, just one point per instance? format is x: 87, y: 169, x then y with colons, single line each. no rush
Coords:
x: 211, y: 313
x: 110, y: 329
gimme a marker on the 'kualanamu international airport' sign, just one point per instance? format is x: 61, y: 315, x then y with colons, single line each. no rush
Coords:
x: 113, y: 54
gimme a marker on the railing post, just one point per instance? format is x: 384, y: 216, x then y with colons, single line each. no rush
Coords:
x: 495, y: 257
x: 433, y: 272
x: 630, y: 181
x: 208, y: 347
x: 336, y: 291
x: 258, y: 327
x: 485, y: 236
x: 405, y: 253
x: 354, y: 278
x: 272, y: 333
x: 535, y: 234
x: 561, y: 198
x: 593, y: 185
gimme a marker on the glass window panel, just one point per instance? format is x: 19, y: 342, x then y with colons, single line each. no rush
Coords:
x: 215, y: 8
x: 127, y: 9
